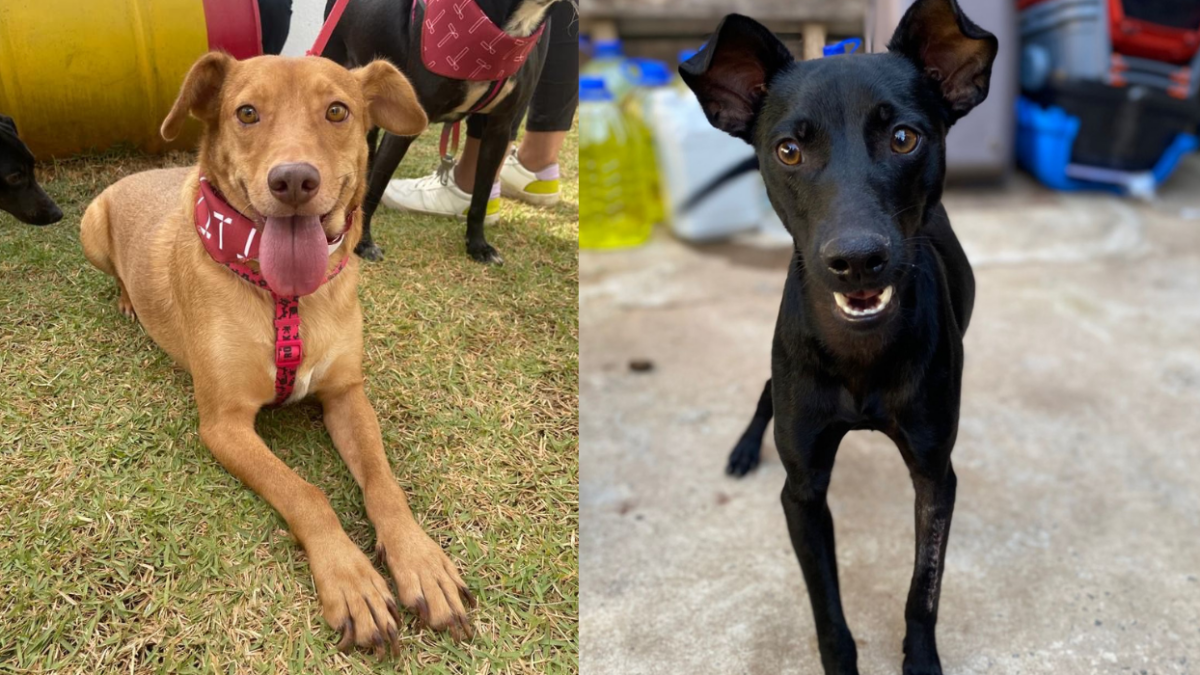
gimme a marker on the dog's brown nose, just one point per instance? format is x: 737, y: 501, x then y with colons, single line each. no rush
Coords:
x: 294, y: 183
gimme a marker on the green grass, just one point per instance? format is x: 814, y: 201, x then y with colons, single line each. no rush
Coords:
x: 125, y: 547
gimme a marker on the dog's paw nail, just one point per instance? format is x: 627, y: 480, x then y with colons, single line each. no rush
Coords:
x: 347, y: 641
x: 393, y: 610
x: 467, y: 597
x: 423, y: 610
x: 464, y: 629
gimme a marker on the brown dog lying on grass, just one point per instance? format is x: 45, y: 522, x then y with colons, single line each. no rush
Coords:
x: 284, y: 146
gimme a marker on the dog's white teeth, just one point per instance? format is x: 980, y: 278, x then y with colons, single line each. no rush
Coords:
x: 878, y: 304
x: 885, y: 297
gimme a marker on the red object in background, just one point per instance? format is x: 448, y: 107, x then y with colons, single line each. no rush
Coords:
x: 1023, y: 5
x: 1134, y: 37
x: 234, y: 26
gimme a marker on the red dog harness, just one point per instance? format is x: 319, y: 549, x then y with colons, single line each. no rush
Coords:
x: 232, y: 239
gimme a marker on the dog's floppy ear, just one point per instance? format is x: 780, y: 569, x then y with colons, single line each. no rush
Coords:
x: 391, y: 101
x: 949, y: 49
x: 200, y: 93
x: 730, y: 75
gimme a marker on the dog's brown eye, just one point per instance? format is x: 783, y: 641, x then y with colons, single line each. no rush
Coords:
x: 13, y: 178
x: 904, y: 140
x: 247, y: 114
x: 789, y: 153
x: 337, y: 113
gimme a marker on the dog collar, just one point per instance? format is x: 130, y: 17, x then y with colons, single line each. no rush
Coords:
x: 459, y: 41
x: 231, y: 239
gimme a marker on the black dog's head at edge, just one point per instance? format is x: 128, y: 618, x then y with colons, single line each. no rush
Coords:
x: 20, y: 193
x: 851, y: 148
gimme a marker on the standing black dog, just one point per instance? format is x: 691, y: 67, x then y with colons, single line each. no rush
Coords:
x: 879, y: 292
x: 370, y: 29
x: 20, y: 193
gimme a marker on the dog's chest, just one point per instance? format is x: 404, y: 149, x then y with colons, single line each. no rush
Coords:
x: 867, y: 410
x: 308, y: 378
x: 475, y: 93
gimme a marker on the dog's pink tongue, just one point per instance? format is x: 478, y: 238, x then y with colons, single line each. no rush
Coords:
x: 293, y: 254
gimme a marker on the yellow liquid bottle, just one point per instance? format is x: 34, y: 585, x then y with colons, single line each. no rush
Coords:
x: 610, y: 213
x: 647, y: 76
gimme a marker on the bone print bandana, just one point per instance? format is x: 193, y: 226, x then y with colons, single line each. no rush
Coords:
x: 459, y: 41
x: 227, y: 235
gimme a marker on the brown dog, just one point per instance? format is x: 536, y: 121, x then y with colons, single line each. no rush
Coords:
x: 284, y: 142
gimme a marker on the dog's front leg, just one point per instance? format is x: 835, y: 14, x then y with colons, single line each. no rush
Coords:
x: 807, y: 451
x: 354, y: 597
x: 492, y: 148
x: 382, y: 165
x: 426, y: 581
x: 935, y: 487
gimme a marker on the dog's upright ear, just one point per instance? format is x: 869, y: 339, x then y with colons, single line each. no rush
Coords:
x: 730, y: 75
x: 200, y: 93
x: 950, y: 50
x: 391, y: 101
x: 10, y: 139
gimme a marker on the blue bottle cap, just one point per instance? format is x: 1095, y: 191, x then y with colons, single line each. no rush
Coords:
x: 848, y: 46
x: 591, y: 88
x: 606, y: 49
x: 647, y: 72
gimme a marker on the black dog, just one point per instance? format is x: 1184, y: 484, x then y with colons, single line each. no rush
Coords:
x: 879, y: 292
x: 370, y: 29
x: 20, y: 193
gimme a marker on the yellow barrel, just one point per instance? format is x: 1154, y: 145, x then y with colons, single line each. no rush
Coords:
x: 81, y: 75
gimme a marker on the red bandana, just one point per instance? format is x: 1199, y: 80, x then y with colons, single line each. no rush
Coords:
x: 232, y: 240
x: 228, y: 236
x: 459, y: 41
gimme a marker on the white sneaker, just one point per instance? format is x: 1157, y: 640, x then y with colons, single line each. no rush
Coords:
x: 539, y: 188
x: 436, y: 195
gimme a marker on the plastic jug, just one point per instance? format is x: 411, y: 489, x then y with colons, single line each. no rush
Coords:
x: 691, y: 153
x: 609, y: 192
x: 650, y: 79
x: 608, y: 62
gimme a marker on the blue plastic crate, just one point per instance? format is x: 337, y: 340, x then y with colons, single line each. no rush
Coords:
x: 1045, y: 137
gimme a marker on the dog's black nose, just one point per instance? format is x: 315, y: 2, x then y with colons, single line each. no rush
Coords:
x: 856, y: 259
x: 294, y: 183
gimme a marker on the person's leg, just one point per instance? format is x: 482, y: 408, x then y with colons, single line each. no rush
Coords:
x: 531, y: 173
x: 446, y: 195
x: 539, y: 149
x: 464, y: 170
x: 275, y: 19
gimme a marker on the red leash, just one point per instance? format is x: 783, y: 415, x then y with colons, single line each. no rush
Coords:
x: 331, y: 22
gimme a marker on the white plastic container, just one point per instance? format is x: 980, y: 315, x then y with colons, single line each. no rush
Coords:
x: 691, y: 153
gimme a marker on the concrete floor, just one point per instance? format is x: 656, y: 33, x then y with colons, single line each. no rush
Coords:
x: 1076, y: 539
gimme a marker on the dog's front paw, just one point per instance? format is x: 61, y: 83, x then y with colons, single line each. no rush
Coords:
x: 126, y: 307
x: 354, y: 598
x: 485, y: 253
x: 428, y: 583
x: 921, y: 657
x: 922, y: 669
x: 369, y: 250
x: 744, y: 458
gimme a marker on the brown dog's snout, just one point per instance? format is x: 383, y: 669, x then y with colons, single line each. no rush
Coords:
x: 294, y: 183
